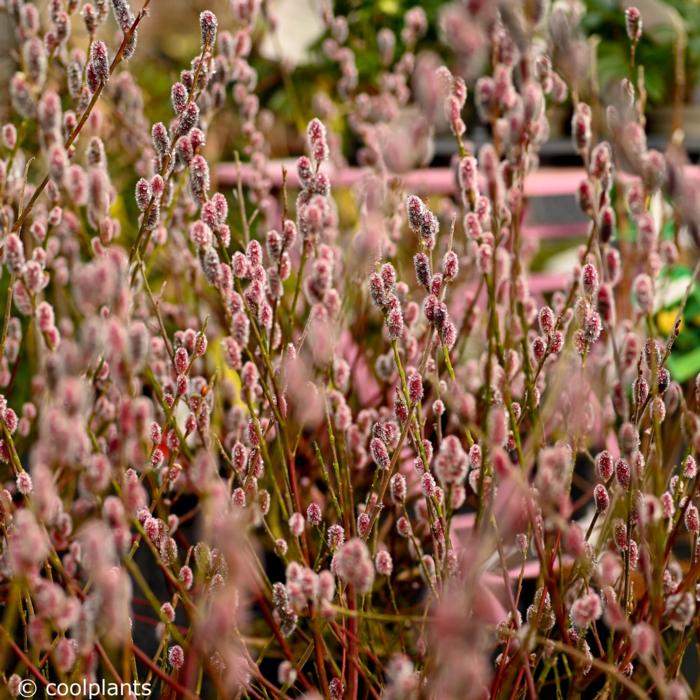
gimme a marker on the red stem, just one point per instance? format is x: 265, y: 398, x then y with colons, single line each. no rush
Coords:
x: 24, y: 658
x: 169, y: 680
x: 281, y: 640
x: 353, y: 631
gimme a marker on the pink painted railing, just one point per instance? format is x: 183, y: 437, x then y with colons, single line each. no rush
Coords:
x: 545, y: 182
x: 542, y: 183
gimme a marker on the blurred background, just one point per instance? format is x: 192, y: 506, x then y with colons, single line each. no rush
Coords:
x: 293, y: 68
x: 294, y: 71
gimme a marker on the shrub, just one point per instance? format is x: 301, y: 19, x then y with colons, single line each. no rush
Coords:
x: 320, y: 447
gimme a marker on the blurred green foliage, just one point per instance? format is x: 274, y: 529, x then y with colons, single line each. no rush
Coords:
x: 290, y: 97
x: 656, y: 50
